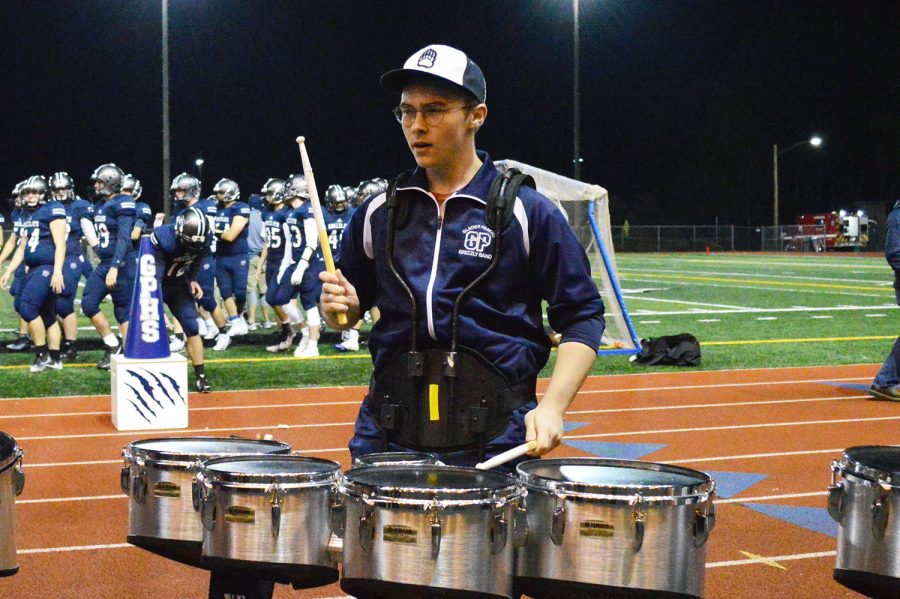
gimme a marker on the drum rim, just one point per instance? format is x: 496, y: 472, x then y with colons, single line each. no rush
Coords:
x: 173, y: 458
x: 427, y: 496
x: 415, y: 457
x: 222, y: 478
x: 705, y: 484
x: 15, y: 452
x: 851, y: 465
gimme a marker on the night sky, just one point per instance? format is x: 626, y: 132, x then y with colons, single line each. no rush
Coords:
x: 681, y: 100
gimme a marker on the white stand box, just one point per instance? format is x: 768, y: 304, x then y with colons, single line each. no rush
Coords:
x: 149, y: 394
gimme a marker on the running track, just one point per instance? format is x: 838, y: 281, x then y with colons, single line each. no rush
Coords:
x: 785, y: 425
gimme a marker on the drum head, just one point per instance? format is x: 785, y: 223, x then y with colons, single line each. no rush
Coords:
x: 876, y: 462
x: 271, y: 468
x: 394, y: 458
x: 191, y: 449
x: 428, y: 483
x: 9, y: 451
x: 613, y: 477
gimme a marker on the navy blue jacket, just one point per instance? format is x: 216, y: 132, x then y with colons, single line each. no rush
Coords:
x: 501, y: 318
x: 892, y: 245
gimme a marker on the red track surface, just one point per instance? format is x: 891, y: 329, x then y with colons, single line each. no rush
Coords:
x: 702, y: 418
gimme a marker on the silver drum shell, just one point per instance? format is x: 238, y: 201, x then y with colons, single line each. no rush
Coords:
x: 302, y: 533
x: 12, y: 481
x: 465, y: 560
x: 868, y: 536
x: 668, y: 559
x: 159, y: 485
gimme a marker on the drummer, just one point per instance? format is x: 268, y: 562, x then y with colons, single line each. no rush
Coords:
x: 479, y: 401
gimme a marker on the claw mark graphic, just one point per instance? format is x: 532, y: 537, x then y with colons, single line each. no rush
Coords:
x: 161, y: 386
x: 137, y: 396
x: 146, y: 385
x: 139, y: 411
x: 176, y: 386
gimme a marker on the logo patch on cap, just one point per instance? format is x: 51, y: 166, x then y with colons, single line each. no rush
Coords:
x: 427, y: 58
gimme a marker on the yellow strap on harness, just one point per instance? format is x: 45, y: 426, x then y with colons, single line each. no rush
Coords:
x: 433, y: 406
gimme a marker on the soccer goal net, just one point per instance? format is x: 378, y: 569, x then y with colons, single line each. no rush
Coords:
x: 586, y: 208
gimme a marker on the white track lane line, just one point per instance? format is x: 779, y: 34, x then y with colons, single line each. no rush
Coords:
x: 74, y: 548
x: 769, y: 497
x: 103, y: 462
x: 183, y: 432
x: 207, y: 409
x: 774, y: 558
x: 716, y: 405
x: 734, y: 427
x: 753, y: 456
x: 723, y: 385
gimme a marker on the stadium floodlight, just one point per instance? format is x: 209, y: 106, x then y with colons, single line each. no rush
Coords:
x: 859, y: 213
x: 199, y: 163
x: 842, y: 213
x: 815, y: 141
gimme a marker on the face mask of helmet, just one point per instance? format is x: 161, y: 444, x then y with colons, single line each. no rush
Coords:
x: 336, y: 199
x: 34, y: 192
x: 186, y: 183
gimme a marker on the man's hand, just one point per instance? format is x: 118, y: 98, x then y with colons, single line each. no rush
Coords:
x: 297, y: 275
x: 338, y: 297
x: 111, y: 277
x: 544, y: 424
x: 56, y: 282
x: 4, y: 281
x: 196, y: 290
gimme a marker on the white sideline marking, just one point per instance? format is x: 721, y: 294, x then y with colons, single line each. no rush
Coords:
x: 708, y: 320
x: 774, y: 558
x: 875, y: 315
x: 206, y: 409
x: 769, y: 497
x: 734, y: 427
x: 649, y: 322
x: 716, y: 405
x: 752, y: 287
x: 769, y: 276
x: 187, y: 432
x: 767, y: 318
x: 764, y: 310
x: 672, y: 301
x: 74, y: 548
x: 822, y: 316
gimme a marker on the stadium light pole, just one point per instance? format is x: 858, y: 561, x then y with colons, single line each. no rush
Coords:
x: 166, y: 149
x: 815, y: 141
x: 576, y: 88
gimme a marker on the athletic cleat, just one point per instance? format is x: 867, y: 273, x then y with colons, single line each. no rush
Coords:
x: 23, y: 343
x: 104, y: 362
x: 309, y: 351
x: 889, y: 393
x: 211, y: 332
x: 176, y: 343
x: 70, y: 354
x: 283, y: 345
x: 222, y: 342
x: 304, y: 340
x: 202, y: 385
x: 201, y: 326
x: 54, y: 364
x: 253, y: 326
x: 347, y: 346
x: 238, y: 327
x: 268, y: 324
x: 41, y: 363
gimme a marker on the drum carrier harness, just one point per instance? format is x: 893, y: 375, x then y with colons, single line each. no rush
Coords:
x: 439, y: 400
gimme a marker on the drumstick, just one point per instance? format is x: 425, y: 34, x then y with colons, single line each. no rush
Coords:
x: 317, y: 213
x: 509, y: 454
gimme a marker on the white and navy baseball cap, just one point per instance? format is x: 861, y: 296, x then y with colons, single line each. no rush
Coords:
x: 441, y: 62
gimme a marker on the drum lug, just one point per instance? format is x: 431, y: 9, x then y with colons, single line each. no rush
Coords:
x: 18, y: 479
x: 276, y: 500
x: 638, y: 516
x: 880, y: 512
x: 125, y: 479
x: 139, y: 486
x: 338, y: 511
x: 367, y: 529
x: 704, y: 522
x: 836, y: 501
x: 208, y: 510
x: 197, y: 490
x: 520, y: 527
x: 497, y: 531
x: 435, y: 520
x: 558, y: 521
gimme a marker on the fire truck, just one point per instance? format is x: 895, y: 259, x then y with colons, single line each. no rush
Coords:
x: 827, y: 231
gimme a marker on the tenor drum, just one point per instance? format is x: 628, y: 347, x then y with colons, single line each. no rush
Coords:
x: 158, y: 476
x: 12, y: 481
x: 604, y: 527
x: 271, y: 515
x: 427, y: 530
x: 395, y: 458
x: 864, y: 499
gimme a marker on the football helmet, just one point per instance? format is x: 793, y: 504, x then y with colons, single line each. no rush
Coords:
x: 110, y: 177
x: 227, y: 191
x: 335, y: 199
x: 132, y: 186
x: 34, y: 192
x: 62, y: 186
x: 187, y: 183
x: 295, y: 187
x: 192, y: 228
x: 272, y: 191
x: 366, y: 189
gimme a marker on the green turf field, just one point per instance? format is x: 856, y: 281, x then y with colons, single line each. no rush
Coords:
x: 748, y: 311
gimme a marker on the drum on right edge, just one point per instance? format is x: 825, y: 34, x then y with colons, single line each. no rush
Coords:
x: 12, y: 481
x: 866, y: 505
x: 600, y: 527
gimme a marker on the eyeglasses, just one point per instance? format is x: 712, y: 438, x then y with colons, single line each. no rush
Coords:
x: 433, y: 115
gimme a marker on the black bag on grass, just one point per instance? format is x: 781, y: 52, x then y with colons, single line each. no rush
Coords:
x: 674, y: 350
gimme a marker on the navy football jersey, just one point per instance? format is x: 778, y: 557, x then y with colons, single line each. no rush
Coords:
x: 176, y: 259
x: 223, y: 221
x: 75, y: 211
x: 114, y: 220
x: 274, y: 224
x: 35, y: 231
x: 143, y: 216
x: 296, y: 221
x: 335, y: 223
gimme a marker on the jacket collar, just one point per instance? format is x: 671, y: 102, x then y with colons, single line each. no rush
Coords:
x: 478, y: 187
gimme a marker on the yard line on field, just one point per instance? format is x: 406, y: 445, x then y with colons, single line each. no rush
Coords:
x: 75, y: 548
x: 717, y: 405
x: 764, y: 284
x: 708, y: 320
x: 816, y: 262
x: 875, y: 315
x: 767, y: 318
x: 648, y: 322
x: 186, y: 432
x: 879, y: 282
x: 759, y: 310
x: 800, y: 340
x: 754, y: 287
x: 769, y: 560
x: 204, y: 409
x: 672, y: 301
x: 698, y: 429
x: 821, y: 316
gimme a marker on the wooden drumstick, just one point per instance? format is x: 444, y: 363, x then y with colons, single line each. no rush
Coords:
x: 509, y: 454
x: 317, y: 213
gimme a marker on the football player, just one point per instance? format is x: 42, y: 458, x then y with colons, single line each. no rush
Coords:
x: 304, y: 262
x: 17, y: 216
x: 233, y: 256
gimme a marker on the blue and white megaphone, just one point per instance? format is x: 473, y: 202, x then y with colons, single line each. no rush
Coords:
x: 146, y: 338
